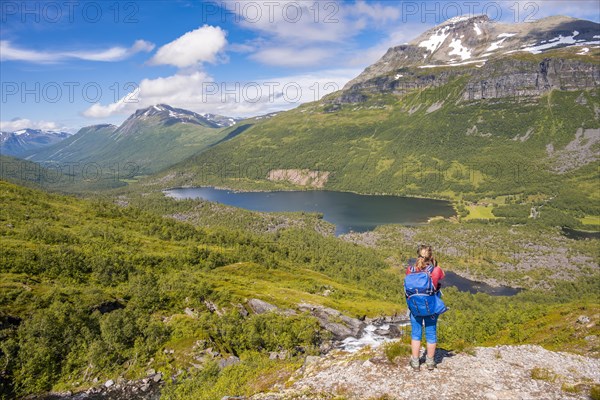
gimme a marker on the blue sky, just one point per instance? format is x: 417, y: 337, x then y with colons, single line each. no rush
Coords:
x: 68, y: 64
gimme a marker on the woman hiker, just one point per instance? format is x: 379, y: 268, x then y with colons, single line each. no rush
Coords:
x: 424, y: 289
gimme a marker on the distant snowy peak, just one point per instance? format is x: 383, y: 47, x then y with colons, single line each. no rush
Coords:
x: 221, y: 120
x: 185, y: 116
x: 165, y: 115
x: 19, y: 142
x: 25, y: 134
x: 171, y: 114
x: 477, y: 38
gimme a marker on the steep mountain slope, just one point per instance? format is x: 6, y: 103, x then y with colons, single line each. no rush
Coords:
x: 25, y: 140
x: 148, y: 141
x: 525, y: 122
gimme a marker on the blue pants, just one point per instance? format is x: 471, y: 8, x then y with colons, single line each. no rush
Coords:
x: 416, y: 324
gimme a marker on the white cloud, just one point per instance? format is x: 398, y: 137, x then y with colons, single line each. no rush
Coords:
x: 375, y: 11
x: 293, y: 20
x: 291, y: 57
x: 9, y: 52
x: 194, y: 47
x: 200, y: 93
x: 310, y: 33
x: 24, y: 123
x: 527, y: 11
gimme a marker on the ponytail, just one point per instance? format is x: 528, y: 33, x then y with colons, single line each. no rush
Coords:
x: 421, y: 264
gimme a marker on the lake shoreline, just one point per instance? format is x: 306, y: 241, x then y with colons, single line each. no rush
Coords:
x: 348, y: 211
x: 233, y: 190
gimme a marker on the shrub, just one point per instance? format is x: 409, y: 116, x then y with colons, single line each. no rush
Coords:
x: 393, y: 350
x: 543, y: 374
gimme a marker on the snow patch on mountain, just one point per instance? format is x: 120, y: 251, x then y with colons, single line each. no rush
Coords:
x: 568, y: 40
x: 436, y: 40
x: 459, y: 50
x: 498, y: 44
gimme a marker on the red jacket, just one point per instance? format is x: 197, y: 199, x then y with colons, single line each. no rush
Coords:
x: 436, y: 276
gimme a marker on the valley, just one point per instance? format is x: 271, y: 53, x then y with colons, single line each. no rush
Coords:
x: 215, y: 256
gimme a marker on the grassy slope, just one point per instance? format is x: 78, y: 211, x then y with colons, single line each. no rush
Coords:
x: 37, y: 222
x: 62, y: 257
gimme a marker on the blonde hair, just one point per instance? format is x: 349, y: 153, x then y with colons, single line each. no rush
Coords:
x: 425, y: 254
x: 421, y: 264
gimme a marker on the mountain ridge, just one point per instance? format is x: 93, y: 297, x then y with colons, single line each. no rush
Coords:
x: 152, y: 138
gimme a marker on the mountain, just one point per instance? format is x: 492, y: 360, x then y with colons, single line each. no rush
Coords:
x: 148, y: 141
x: 475, y: 40
x: 516, y: 112
x: 25, y: 140
x: 221, y: 120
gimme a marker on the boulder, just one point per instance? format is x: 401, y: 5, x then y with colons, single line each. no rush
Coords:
x: 260, y: 307
x: 109, y: 383
x: 226, y: 362
x: 338, y: 324
x: 583, y: 319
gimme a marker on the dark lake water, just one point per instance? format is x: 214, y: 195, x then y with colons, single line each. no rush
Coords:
x: 349, y: 212
x: 467, y: 285
x: 580, y: 235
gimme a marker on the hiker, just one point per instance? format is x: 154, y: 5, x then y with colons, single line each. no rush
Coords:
x: 422, y: 287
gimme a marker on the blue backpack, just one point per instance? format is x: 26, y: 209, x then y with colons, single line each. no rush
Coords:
x: 421, y: 297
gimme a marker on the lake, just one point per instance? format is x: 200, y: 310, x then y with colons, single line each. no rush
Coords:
x: 349, y: 212
x: 468, y: 285
x: 580, y: 235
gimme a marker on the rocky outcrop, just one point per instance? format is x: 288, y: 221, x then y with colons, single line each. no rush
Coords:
x: 581, y: 151
x: 502, y: 78
x: 300, y: 177
x: 510, y: 78
x: 144, y: 389
x: 334, y: 321
x: 260, y: 307
x: 492, y: 373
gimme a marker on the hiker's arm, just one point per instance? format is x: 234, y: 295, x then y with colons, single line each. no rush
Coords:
x: 436, y: 276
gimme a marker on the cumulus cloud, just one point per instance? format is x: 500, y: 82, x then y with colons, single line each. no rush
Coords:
x: 200, y: 93
x: 10, y: 52
x: 24, y: 123
x: 194, y: 47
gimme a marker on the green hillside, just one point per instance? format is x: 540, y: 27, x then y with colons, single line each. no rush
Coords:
x: 64, y: 259
x: 148, y: 147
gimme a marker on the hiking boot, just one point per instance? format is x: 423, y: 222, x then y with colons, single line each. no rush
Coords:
x: 430, y: 362
x: 415, y: 364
